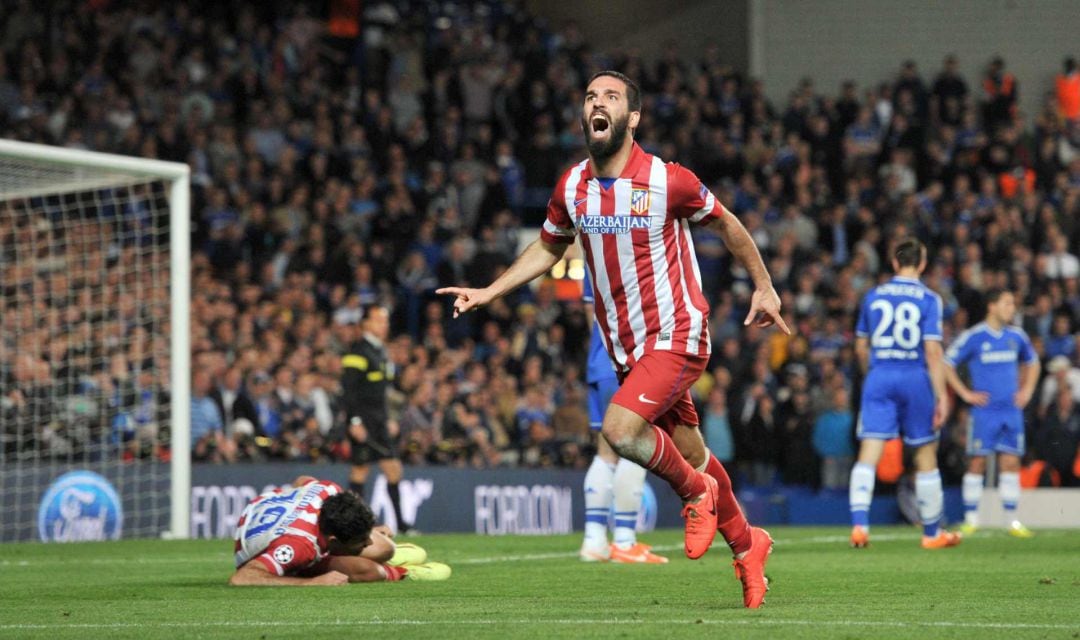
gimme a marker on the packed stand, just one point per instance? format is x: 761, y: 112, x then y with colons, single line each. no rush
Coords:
x: 330, y: 172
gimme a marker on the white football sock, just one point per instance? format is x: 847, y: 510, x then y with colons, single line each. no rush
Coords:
x: 860, y: 493
x: 973, y: 488
x: 931, y: 500
x: 1009, y: 488
x: 598, y: 481
x: 629, y: 483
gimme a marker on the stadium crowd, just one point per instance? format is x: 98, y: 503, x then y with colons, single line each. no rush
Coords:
x: 335, y: 170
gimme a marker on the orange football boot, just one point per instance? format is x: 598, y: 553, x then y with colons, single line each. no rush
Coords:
x: 942, y: 540
x: 701, y: 520
x: 638, y: 554
x: 750, y: 569
x: 860, y: 537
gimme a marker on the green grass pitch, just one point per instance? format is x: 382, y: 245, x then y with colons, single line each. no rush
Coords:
x: 992, y: 586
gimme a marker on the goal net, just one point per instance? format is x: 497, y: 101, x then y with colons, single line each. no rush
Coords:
x: 94, y: 393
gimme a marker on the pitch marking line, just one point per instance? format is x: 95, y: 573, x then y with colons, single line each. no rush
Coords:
x: 760, y: 621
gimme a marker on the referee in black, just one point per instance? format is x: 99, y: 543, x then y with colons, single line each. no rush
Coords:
x: 366, y: 376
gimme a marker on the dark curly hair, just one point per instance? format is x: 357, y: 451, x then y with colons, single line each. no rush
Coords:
x: 346, y: 517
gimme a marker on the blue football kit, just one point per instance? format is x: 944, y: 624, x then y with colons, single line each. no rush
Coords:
x: 898, y: 317
x: 993, y: 360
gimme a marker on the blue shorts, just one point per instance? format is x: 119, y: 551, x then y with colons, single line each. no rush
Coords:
x: 898, y: 400
x: 996, y: 429
x: 599, y: 397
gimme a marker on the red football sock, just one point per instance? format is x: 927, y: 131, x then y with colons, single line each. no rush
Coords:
x: 393, y: 574
x: 669, y: 464
x: 733, y: 525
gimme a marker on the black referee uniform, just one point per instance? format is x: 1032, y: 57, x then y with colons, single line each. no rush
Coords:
x: 366, y: 377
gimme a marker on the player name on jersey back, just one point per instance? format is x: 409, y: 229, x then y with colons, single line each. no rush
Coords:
x: 917, y: 291
x: 898, y: 317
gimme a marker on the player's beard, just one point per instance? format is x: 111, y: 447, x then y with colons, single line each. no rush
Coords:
x: 603, y: 149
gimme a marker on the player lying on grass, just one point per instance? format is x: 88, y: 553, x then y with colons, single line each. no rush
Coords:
x: 313, y: 533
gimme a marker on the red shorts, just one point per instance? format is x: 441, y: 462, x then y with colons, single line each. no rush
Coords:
x: 657, y: 388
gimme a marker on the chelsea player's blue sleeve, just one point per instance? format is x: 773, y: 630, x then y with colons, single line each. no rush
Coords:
x: 931, y: 321
x: 960, y: 350
x: 1027, y: 351
x: 861, y: 324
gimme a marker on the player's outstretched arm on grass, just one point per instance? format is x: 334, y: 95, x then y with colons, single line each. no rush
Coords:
x: 254, y: 574
x: 357, y: 569
x: 765, y: 303
x: 536, y: 259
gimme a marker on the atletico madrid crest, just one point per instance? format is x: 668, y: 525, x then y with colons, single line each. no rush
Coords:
x: 639, y: 201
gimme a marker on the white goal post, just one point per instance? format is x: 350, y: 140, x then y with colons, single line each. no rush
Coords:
x: 38, y: 181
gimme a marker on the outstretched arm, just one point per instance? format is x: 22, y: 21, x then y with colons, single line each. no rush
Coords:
x: 765, y: 303
x: 535, y: 260
x: 254, y: 574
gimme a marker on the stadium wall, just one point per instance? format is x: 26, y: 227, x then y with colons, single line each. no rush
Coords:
x: 836, y: 40
x: 437, y: 499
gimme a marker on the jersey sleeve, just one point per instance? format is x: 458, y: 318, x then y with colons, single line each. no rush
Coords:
x: 931, y: 321
x: 960, y: 350
x: 288, y: 555
x: 689, y: 199
x: 558, y: 226
x: 1027, y: 350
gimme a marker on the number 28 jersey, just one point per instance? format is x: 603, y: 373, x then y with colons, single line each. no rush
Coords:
x: 280, y: 528
x: 898, y: 317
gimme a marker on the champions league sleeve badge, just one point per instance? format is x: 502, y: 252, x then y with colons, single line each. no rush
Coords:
x: 80, y: 506
x: 284, y: 554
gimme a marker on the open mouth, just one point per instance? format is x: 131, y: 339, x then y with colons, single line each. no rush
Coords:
x: 599, y: 123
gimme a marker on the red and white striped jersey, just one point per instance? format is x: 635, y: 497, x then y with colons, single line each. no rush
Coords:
x: 636, y: 235
x: 280, y: 528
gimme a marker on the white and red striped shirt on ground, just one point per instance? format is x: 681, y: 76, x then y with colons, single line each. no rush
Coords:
x: 636, y: 236
x: 280, y: 528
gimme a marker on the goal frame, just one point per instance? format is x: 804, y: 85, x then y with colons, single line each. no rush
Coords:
x: 178, y: 177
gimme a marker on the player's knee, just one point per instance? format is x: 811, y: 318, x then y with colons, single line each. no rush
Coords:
x: 1009, y: 463
x: 616, y: 435
x: 926, y: 457
x: 977, y: 465
x: 870, y: 451
x: 693, y: 457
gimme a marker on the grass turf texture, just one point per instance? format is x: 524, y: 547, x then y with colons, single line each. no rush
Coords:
x: 990, y: 586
